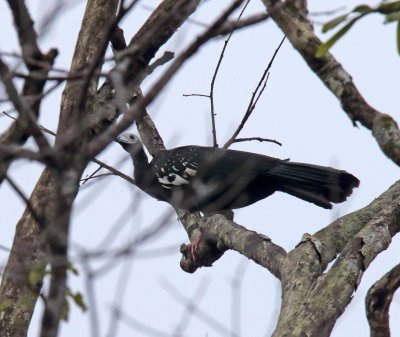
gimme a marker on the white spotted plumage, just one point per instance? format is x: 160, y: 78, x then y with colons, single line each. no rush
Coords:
x: 177, y: 171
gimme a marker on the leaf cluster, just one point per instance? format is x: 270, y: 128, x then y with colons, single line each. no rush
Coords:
x: 390, y: 10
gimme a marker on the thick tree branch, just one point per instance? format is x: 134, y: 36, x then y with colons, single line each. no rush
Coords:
x: 131, y: 67
x: 15, y: 289
x: 307, y: 292
x: 378, y: 302
x: 136, y: 109
x: 219, y: 234
x: 98, y: 13
x: 333, y: 238
x: 298, y: 29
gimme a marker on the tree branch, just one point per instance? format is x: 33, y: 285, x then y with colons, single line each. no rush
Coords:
x: 219, y: 234
x: 308, y: 292
x: 378, y: 302
x: 39, y: 65
x: 298, y: 29
x: 254, y: 97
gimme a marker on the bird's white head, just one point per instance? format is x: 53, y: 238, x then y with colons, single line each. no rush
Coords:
x: 130, y: 142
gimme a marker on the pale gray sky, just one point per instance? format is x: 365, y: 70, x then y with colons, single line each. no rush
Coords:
x: 296, y: 109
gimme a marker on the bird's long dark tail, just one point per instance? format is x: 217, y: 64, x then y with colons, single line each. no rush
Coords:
x: 317, y: 184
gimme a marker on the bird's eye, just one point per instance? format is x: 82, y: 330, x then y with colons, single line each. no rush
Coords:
x: 132, y: 137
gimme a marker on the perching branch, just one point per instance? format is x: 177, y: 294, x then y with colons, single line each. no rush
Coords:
x: 220, y: 234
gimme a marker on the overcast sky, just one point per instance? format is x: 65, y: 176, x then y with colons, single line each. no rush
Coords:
x: 296, y: 110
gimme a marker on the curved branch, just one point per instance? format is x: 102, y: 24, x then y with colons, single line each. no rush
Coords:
x: 337, y: 235
x: 294, y: 23
x: 378, y: 302
x: 308, y: 292
x: 219, y: 234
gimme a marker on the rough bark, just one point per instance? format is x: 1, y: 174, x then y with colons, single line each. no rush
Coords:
x: 293, y: 21
x: 378, y: 302
x: 58, y: 186
x: 312, y: 300
x: 19, y: 291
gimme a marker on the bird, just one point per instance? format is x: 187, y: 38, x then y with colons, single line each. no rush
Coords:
x: 212, y: 179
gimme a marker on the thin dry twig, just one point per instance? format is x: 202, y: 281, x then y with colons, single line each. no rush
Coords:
x: 190, y: 308
x: 23, y: 108
x: 38, y: 218
x: 99, y: 143
x: 161, y: 224
x: 236, y: 286
x: 231, y: 26
x: 34, y: 156
x: 196, y: 95
x: 213, y: 323
x: 212, y: 84
x: 255, y: 97
x: 260, y: 139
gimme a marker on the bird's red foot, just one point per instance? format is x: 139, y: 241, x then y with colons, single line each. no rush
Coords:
x: 194, y: 245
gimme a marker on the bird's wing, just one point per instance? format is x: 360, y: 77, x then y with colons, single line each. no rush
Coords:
x: 177, y: 167
x: 182, y: 165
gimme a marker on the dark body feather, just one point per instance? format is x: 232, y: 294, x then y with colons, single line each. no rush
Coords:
x: 211, y: 179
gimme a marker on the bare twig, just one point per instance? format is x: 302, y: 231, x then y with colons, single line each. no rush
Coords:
x: 212, y: 84
x: 328, y: 12
x: 236, y: 285
x: 231, y: 26
x: 144, y: 329
x: 200, y: 314
x: 255, y: 97
x: 11, y: 152
x: 190, y: 308
x: 23, y: 108
x: 94, y: 176
x: 238, y: 140
x: 23, y: 153
x: 91, y: 298
x: 98, y: 144
x: 38, y: 217
x: 196, y: 95
x: 130, y: 247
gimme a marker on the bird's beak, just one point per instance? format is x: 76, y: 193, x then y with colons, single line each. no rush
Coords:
x: 118, y: 140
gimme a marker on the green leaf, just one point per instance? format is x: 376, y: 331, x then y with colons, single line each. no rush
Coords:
x: 389, y: 7
x: 391, y: 17
x: 77, y: 298
x: 398, y: 37
x: 333, y: 23
x: 323, y: 48
x: 363, y: 9
x: 72, y: 268
x: 79, y: 301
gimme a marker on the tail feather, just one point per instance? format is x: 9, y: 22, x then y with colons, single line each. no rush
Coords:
x: 317, y: 184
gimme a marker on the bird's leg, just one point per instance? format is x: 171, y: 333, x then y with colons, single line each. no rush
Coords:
x: 196, y: 236
x: 194, y: 244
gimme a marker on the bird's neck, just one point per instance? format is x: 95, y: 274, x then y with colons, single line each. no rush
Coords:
x: 141, y: 166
